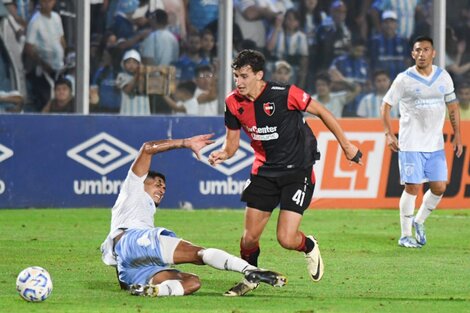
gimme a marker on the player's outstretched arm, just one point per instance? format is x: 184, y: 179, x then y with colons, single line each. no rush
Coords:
x: 454, y: 116
x: 142, y: 163
x: 351, y: 152
x: 392, y: 140
x: 232, y: 142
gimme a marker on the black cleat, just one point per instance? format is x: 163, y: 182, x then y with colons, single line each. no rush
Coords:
x: 267, y: 277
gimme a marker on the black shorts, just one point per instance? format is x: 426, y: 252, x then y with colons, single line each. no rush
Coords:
x: 293, y: 191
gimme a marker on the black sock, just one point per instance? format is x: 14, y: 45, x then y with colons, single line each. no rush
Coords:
x: 251, y: 256
x: 309, y: 245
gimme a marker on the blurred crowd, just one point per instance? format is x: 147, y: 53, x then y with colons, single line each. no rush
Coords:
x: 345, y: 53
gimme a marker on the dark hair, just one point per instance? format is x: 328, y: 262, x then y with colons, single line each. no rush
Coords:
x: 324, y: 76
x: 188, y: 86
x: 423, y: 38
x: 63, y: 81
x: 202, y: 68
x: 160, y: 17
x: 380, y: 72
x: 250, y: 57
x: 153, y: 174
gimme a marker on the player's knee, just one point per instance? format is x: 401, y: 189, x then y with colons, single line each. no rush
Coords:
x: 191, y: 284
x: 438, y: 189
x: 249, y: 240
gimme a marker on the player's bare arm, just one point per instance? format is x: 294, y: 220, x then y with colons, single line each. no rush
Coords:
x: 392, y: 140
x: 351, y: 152
x: 454, y: 116
x: 232, y: 142
x: 141, y: 164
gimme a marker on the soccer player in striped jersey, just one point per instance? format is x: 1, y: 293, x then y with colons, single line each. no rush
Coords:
x: 423, y: 93
x: 271, y: 114
x: 370, y: 104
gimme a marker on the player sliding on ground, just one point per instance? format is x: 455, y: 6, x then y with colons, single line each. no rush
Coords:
x: 143, y: 253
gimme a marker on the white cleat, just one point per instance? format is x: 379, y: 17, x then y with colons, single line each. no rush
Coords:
x: 314, y: 261
x: 241, y: 288
x: 420, y: 233
x: 408, y: 242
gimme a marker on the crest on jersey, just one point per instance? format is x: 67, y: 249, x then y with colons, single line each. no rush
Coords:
x: 269, y: 108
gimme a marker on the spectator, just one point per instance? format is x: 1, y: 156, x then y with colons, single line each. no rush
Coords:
x: 11, y: 101
x: 67, y: 11
x: 44, y: 52
x: 97, y: 46
x: 176, y: 17
x: 20, y: 11
x: 423, y: 19
x: 98, y: 9
x: 200, y: 13
x: 454, y: 54
x: 355, y: 68
x: 124, y: 26
x: 191, y: 58
x: 463, y: 94
x: 252, y: 17
x: 69, y: 69
x: 405, y: 11
x: 133, y: 100
x: 206, y: 91
x: 184, y: 101
x: 311, y: 17
x: 462, y: 29
x: 105, y: 96
x: 370, y: 104
x: 288, y: 42
x: 333, y: 36
x: 161, y: 47
x: 333, y: 101
x: 63, y: 101
x: 388, y: 50
x: 208, y: 47
x: 356, y: 19
x: 282, y: 72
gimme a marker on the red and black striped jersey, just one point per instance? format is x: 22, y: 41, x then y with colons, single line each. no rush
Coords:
x: 282, y: 141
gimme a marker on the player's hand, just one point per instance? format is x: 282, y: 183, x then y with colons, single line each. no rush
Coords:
x: 392, y: 142
x: 217, y: 157
x: 353, y: 153
x: 196, y: 143
x: 457, y: 145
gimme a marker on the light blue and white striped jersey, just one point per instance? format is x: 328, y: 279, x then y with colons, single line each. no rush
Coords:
x: 370, y: 105
x: 405, y: 10
x: 45, y: 34
x: 422, y: 101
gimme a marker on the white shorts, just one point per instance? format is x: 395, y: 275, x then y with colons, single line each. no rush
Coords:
x: 421, y: 167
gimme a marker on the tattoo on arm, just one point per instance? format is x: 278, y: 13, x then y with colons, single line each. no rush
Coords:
x: 453, y: 120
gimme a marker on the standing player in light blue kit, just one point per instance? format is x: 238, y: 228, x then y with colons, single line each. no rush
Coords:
x: 422, y: 92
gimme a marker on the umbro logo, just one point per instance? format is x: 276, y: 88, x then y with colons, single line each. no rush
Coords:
x: 242, y: 158
x: 102, y: 153
x: 277, y: 88
x: 5, y: 153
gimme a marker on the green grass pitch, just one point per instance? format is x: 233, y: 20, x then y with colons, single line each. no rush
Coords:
x: 365, y: 270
